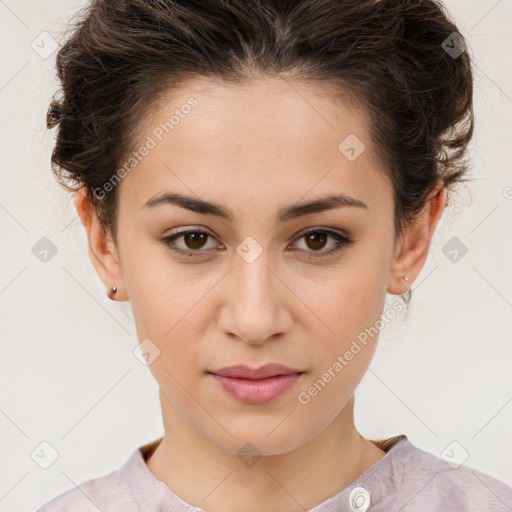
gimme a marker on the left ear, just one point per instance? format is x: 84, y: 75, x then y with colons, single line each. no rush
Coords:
x: 413, y: 247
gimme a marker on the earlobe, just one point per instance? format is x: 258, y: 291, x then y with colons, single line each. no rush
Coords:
x: 400, y: 278
x: 412, y: 250
x: 102, y: 250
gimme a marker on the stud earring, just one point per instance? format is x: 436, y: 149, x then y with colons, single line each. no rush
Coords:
x: 406, y: 279
x: 112, y: 292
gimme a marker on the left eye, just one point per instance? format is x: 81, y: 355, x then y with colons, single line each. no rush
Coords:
x: 318, y: 236
x: 314, y: 238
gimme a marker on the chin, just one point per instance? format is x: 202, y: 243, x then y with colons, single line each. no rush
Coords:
x: 260, y: 435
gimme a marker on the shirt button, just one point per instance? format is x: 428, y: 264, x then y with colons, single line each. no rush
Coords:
x: 359, y: 499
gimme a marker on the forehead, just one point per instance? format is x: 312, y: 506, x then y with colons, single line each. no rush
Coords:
x: 266, y: 135
x: 269, y: 109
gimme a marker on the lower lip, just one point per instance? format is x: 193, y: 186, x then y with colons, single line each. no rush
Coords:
x: 257, y: 391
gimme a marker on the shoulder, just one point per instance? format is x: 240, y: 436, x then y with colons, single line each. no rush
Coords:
x: 106, y: 493
x: 422, y: 479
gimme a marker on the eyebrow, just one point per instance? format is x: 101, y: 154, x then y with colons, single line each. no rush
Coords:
x: 290, y: 212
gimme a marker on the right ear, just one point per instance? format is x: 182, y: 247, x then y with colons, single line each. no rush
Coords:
x: 102, y: 250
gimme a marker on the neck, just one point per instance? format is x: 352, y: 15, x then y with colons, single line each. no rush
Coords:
x: 208, y: 477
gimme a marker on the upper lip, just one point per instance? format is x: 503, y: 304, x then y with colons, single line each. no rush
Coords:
x: 263, y: 372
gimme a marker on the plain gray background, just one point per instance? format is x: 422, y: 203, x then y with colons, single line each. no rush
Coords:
x: 67, y: 373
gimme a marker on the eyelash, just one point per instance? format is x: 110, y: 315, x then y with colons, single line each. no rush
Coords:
x: 341, y: 242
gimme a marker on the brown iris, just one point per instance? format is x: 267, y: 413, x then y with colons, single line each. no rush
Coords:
x: 318, y: 240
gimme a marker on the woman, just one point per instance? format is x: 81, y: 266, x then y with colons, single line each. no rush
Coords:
x: 255, y: 177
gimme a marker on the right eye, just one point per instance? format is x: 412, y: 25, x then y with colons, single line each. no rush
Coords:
x: 194, y: 240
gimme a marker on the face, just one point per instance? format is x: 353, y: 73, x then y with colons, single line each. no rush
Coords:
x: 256, y: 279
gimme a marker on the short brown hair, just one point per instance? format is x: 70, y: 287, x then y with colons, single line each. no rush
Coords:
x: 403, y: 61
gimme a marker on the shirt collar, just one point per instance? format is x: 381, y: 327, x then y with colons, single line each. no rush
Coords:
x: 369, y: 488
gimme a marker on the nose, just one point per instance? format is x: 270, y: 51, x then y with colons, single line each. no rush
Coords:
x: 255, y: 309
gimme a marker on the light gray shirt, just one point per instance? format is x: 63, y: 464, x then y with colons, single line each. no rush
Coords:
x: 406, y: 479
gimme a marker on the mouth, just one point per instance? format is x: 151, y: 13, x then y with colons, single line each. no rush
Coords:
x: 256, y: 386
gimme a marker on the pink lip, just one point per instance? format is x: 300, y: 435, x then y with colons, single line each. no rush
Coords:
x: 256, y: 385
x: 263, y: 372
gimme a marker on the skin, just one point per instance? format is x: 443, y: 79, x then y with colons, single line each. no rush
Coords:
x: 239, y: 147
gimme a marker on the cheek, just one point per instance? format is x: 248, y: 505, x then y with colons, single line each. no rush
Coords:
x: 351, y: 309
x: 160, y: 292
x: 350, y: 302
x: 169, y: 307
